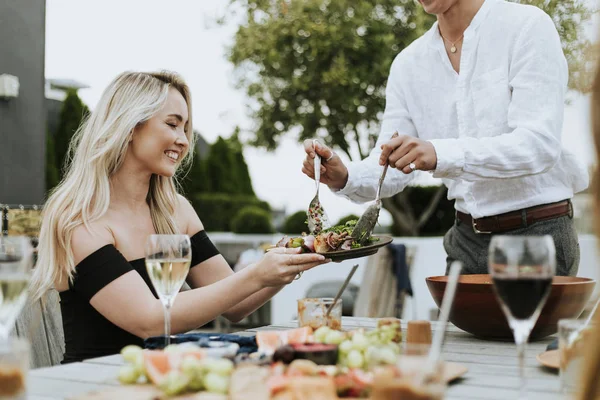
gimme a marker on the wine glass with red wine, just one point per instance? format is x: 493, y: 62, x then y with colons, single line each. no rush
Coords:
x: 522, y: 268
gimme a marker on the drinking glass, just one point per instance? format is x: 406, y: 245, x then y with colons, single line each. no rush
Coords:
x: 313, y: 313
x: 14, y: 367
x: 16, y: 256
x: 168, y: 259
x: 522, y: 268
x: 411, y: 376
x: 574, y: 338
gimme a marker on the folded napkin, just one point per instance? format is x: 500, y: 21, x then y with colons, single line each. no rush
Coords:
x: 247, y: 343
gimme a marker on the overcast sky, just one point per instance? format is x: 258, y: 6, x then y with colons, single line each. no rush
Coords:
x: 93, y: 41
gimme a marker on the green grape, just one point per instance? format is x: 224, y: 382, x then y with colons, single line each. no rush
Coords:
x: 174, y: 383
x: 131, y: 353
x: 345, y: 346
x: 196, y: 382
x: 221, y: 366
x: 334, y: 337
x: 387, y: 337
x: 138, y: 364
x: 372, y: 355
x: 355, y: 359
x: 387, y: 356
x: 216, y: 383
x: 191, y: 366
x: 342, y: 359
x: 321, y: 333
x: 360, y: 342
x: 128, y: 374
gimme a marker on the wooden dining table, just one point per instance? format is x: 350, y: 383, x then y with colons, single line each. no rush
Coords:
x: 492, y: 368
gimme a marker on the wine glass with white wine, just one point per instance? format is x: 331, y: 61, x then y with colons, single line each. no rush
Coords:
x: 16, y: 263
x: 168, y: 259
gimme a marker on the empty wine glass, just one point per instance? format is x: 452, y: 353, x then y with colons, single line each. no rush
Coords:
x: 168, y: 260
x: 522, y: 268
x: 16, y: 255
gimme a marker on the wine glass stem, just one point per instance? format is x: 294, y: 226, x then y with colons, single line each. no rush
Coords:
x: 167, y: 307
x: 521, y: 330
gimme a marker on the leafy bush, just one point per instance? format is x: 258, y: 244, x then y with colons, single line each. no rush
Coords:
x: 296, y: 223
x: 252, y: 219
x: 52, y: 174
x: 217, y: 210
x: 347, y: 218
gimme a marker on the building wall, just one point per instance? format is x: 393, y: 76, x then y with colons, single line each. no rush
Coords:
x: 23, y: 119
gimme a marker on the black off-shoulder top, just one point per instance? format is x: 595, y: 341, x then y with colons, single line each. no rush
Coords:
x: 88, y: 333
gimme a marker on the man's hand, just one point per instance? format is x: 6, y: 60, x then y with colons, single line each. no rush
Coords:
x: 405, y: 150
x: 333, y: 171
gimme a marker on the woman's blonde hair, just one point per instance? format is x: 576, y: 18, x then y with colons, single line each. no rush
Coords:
x: 96, y: 152
x: 590, y: 382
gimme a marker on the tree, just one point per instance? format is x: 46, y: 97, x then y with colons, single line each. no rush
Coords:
x: 71, y: 116
x: 226, y: 170
x: 242, y: 174
x: 196, y: 180
x: 320, y: 67
x: 51, y: 168
x: 220, y: 167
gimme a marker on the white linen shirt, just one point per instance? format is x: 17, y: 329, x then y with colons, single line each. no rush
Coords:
x: 496, y: 127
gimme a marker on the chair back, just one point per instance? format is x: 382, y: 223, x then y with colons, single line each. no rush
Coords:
x: 378, y: 296
x: 39, y: 322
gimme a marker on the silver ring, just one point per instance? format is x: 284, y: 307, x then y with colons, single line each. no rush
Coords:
x: 330, y: 157
x: 412, y: 166
x: 298, y: 275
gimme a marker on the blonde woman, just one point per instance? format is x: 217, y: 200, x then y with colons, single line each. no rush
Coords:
x: 119, y: 188
x: 590, y: 382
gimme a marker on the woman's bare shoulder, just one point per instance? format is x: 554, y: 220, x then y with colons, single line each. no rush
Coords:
x: 85, y: 240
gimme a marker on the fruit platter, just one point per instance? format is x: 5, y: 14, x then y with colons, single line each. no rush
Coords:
x: 289, y: 364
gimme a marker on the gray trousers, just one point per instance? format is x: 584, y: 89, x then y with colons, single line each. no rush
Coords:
x: 463, y: 244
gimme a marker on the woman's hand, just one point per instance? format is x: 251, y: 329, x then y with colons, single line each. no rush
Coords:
x: 281, y: 265
x: 333, y: 171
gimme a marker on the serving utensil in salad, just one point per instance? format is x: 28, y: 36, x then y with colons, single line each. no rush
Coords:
x: 438, y: 337
x: 367, y: 221
x: 317, y: 218
x: 342, y: 288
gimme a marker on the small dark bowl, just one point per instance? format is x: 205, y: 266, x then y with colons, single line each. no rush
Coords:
x: 477, y: 311
x: 319, y: 353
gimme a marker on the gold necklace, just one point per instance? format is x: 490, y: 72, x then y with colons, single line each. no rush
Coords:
x: 453, y: 47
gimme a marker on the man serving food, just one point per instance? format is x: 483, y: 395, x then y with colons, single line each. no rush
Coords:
x: 478, y: 102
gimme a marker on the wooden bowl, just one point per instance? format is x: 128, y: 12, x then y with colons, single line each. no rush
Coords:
x: 477, y: 311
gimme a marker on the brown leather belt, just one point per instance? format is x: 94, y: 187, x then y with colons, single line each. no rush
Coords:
x: 517, y: 219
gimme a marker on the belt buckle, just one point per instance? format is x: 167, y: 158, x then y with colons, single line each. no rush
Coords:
x: 474, y: 224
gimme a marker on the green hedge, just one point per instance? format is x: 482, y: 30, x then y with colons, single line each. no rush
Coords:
x: 347, y: 218
x: 295, y: 224
x: 252, y: 219
x: 217, y: 210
